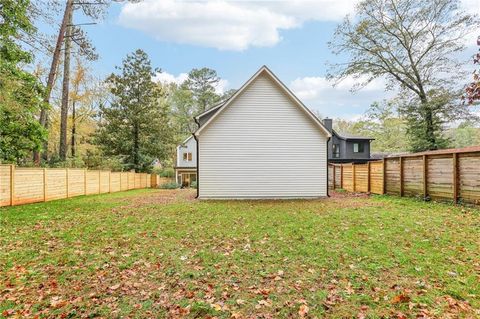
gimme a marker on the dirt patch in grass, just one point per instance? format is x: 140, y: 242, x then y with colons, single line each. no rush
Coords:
x: 162, y: 254
x: 161, y: 196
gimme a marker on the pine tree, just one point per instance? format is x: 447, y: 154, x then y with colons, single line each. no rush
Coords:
x: 134, y: 126
x: 202, y: 83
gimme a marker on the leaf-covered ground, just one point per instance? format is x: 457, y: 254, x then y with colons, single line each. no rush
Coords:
x: 160, y: 253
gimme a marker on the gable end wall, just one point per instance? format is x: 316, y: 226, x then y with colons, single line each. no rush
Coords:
x: 262, y: 146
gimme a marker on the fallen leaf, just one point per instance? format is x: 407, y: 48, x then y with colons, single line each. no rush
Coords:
x: 240, y: 302
x: 115, y: 287
x: 400, y: 299
x: 303, y: 310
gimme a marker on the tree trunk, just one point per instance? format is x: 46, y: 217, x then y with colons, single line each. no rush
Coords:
x: 51, y: 78
x: 429, y: 127
x: 136, y: 146
x: 65, y: 91
x: 430, y: 130
x: 73, y: 130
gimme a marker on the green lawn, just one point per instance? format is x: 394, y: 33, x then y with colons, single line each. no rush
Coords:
x: 160, y: 253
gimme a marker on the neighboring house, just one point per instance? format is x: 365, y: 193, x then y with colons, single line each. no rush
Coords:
x: 186, y: 163
x: 261, y: 143
x: 347, y: 148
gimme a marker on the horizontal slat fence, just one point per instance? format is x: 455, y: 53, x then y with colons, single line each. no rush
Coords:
x: 454, y: 176
x: 19, y: 185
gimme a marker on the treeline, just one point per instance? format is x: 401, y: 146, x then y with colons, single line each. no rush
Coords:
x: 55, y: 111
x: 65, y: 116
x: 390, y: 129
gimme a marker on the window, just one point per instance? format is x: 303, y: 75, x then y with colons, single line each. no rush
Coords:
x: 336, y: 150
x: 358, y: 147
x: 187, y: 157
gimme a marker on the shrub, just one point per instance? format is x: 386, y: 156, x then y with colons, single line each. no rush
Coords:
x: 193, y: 185
x: 170, y: 185
x: 167, y: 172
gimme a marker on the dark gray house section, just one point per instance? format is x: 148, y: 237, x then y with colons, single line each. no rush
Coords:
x: 347, y: 148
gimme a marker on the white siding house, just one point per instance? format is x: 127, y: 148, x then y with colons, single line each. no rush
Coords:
x: 262, y: 143
x: 186, y: 163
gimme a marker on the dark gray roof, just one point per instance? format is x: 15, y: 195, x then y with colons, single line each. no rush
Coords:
x: 348, y: 136
x: 213, y: 109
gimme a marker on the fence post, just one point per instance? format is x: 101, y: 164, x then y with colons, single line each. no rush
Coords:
x: 12, y: 184
x: 384, y: 176
x: 109, y: 181
x: 401, y: 175
x: 44, y: 184
x: 99, y: 180
x: 455, y: 178
x: 368, y: 177
x: 341, y: 176
x: 85, y: 181
x: 425, y: 177
x: 353, y: 177
x: 66, y: 180
x: 333, y: 177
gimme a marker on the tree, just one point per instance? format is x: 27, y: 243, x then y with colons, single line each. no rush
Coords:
x: 65, y: 86
x: 413, y: 44
x: 182, y: 108
x: 426, y: 121
x: 52, y: 73
x: 466, y: 134
x: 74, y: 34
x: 228, y: 94
x: 134, y: 126
x: 472, y: 90
x: 202, y: 83
x: 386, y: 126
x: 67, y: 33
x: 86, y: 94
x: 20, y: 92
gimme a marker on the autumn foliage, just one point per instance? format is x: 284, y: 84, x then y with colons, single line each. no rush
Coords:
x: 472, y: 91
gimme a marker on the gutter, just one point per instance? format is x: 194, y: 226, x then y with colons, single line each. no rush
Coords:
x: 328, y: 193
x: 198, y: 158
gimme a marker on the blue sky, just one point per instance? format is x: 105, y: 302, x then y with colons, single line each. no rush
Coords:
x: 235, y: 39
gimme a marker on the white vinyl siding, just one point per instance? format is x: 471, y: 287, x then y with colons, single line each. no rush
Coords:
x: 262, y: 145
x: 190, y: 146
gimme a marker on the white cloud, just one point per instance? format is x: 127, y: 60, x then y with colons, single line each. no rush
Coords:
x: 222, y: 86
x: 227, y: 25
x: 166, y: 78
x: 319, y: 94
x: 471, y: 6
x: 234, y: 25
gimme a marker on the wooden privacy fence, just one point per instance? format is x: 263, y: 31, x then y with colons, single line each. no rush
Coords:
x: 444, y: 176
x: 19, y: 185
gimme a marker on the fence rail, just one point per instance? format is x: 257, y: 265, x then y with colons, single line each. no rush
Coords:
x: 454, y: 176
x: 19, y: 185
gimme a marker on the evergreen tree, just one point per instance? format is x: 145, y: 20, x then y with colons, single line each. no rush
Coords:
x: 20, y: 91
x: 202, y: 83
x: 134, y: 126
